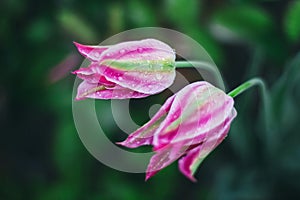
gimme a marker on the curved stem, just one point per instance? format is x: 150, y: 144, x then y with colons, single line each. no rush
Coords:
x: 266, y: 104
x: 245, y: 86
x: 208, y: 71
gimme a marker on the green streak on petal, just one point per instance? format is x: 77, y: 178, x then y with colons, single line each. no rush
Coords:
x: 196, y: 164
x: 153, y: 127
x: 141, y: 65
x: 92, y: 91
x: 192, y: 108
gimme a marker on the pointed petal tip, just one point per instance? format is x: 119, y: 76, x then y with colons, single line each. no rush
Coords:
x: 191, y: 178
x: 149, y: 175
x: 129, y: 144
x: 147, y: 178
x: 79, y: 98
x: 77, y: 44
x: 121, y: 143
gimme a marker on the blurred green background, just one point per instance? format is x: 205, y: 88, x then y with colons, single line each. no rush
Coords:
x: 41, y: 154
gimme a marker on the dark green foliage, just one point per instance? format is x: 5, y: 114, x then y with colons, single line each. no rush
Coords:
x: 41, y: 155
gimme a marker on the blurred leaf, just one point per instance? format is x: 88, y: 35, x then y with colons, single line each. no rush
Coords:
x: 76, y: 26
x: 292, y: 21
x: 125, y: 190
x: 282, y: 89
x: 116, y: 18
x: 248, y: 22
x: 141, y: 14
x: 251, y: 25
x: 208, y: 43
x: 67, y: 149
x: 182, y: 12
x: 39, y: 31
x: 62, y: 190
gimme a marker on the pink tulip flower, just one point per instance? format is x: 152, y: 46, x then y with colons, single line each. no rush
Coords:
x: 132, y: 69
x: 188, y: 126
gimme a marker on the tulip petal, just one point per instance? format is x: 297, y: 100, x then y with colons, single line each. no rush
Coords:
x: 92, y: 53
x: 189, y: 163
x: 97, y: 91
x: 143, y: 82
x: 182, y: 104
x: 162, y: 159
x: 144, y: 135
x: 197, y: 109
x: 135, y: 51
x: 146, y: 66
x: 88, y: 75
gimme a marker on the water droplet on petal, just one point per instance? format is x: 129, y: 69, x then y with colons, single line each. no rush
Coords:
x: 140, y: 50
x: 122, y: 51
x: 158, y: 76
x: 96, y: 54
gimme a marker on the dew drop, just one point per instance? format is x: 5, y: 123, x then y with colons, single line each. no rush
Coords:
x: 158, y: 76
x: 96, y: 54
x: 122, y: 51
x: 108, y: 54
x: 140, y: 50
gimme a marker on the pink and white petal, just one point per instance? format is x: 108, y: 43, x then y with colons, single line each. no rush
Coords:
x: 144, y: 135
x: 96, y: 91
x: 117, y: 93
x: 205, y: 125
x: 209, y: 135
x: 88, y: 75
x: 85, y: 89
x: 147, y: 82
x: 186, y: 163
x: 195, y: 111
x: 183, y: 103
x: 146, y: 66
x: 143, y: 82
x: 84, y: 71
x: 190, y: 163
x: 217, y: 133
x: 92, y: 53
x: 162, y: 159
x: 148, y: 49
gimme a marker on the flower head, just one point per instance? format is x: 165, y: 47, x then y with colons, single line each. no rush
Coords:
x: 189, y: 125
x: 132, y: 69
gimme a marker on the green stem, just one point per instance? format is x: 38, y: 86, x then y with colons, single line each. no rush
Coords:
x: 208, y: 71
x: 247, y: 85
x: 266, y: 104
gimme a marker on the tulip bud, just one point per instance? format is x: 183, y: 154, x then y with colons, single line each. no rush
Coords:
x: 132, y: 69
x: 188, y: 127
